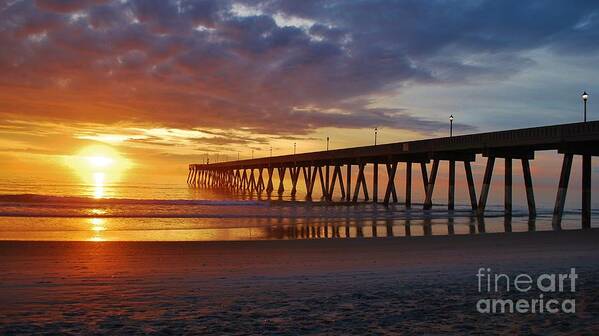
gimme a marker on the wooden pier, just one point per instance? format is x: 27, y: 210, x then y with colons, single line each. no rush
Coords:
x: 327, y: 167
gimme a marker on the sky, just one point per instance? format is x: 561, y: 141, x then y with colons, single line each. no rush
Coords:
x: 166, y: 83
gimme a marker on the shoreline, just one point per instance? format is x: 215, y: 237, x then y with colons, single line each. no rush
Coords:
x: 583, y: 234
x: 268, y: 257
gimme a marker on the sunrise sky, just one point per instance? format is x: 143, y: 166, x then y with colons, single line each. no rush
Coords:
x: 163, y: 83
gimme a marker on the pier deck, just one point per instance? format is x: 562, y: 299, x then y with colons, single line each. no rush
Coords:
x: 520, y: 144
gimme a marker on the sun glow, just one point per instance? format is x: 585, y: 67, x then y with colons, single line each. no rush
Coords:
x: 99, y: 166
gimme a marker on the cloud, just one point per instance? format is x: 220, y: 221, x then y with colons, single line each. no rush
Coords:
x: 271, y: 67
x: 65, y: 6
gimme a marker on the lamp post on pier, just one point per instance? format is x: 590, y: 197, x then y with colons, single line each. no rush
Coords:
x: 375, y: 134
x: 451, y: 125
x: 327, y: 143
x: 585, y: 97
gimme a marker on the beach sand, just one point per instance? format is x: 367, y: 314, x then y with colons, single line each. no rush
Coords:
x: 408, y: 285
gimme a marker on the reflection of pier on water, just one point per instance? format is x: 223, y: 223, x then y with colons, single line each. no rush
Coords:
x: 461, y: 223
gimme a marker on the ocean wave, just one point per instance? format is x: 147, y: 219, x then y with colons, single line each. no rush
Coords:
x: 38, y: 205
x: 50, y: 199
x: 322, y: 214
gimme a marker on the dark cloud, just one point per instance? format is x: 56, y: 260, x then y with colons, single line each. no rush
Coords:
x: 277, y: 67
x: 65, y: 6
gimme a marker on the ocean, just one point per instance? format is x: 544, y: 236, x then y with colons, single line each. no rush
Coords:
x: 151, y: 211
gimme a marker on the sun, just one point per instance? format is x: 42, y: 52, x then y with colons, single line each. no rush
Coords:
x: 100, y: 161
x: 98, y: 166
x: 100, y: 158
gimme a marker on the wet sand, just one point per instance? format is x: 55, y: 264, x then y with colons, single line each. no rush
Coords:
x: 408, y: 285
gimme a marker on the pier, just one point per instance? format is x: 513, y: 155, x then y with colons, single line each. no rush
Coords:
x: 332, y: 169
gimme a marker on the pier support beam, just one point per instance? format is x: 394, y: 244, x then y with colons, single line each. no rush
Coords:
x: 471, y: 187
x: 260, y: 185
x: 269, y: 185
x: 361, y: 182
x: 451, y: 188
x: 586, y: 191
x: 375, y: 182
x: 560, y: 199
x: 348, y: 184
x: 327, y: 181
x: 281, y: 189
x: 393, y: 189
x: 294, y: 171
x: 424, y: 176
x: 507, y: 202
x: 237, y: 179
x: 337, y: 175
x: 253, y: 185
x: 451, y: 159
x: 428, y: 201
x: 586, y: 151
x: 309, y: 180
x: 390, y: 190
x: 324, y: 184
x: 484, y: 193
x: 508, y: 154
x: 408, y: 198
x: 530, y: 196
x: 244, y: 180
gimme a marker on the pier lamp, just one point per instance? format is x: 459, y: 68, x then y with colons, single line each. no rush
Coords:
x: 327, y: 143
x: 294, y: 147
x: 375, y: 133
x: 451, y: 125
x: 271, y: 151
x: 585, y: 97
x: 252, y: 154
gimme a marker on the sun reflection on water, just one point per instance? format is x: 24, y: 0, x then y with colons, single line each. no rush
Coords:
x: 99, y: 180
x: 97, y: 226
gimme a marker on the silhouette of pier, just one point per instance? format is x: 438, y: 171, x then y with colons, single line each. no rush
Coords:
x: 327, y: 167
